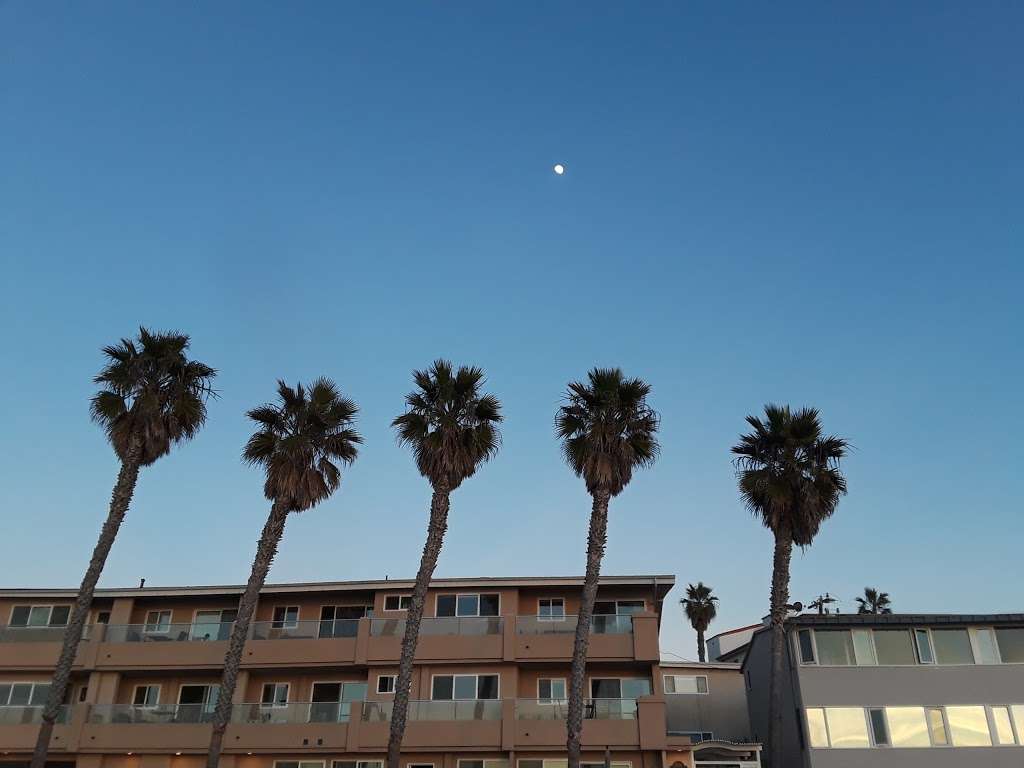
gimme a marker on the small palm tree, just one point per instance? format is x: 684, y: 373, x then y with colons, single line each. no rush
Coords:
x: 607, y: 431
x: 452, y: 428
x: 701, y: 610
x: 151, y: 398
x: 789, y: 478
x: 874, y: 602
x: 299, y: 442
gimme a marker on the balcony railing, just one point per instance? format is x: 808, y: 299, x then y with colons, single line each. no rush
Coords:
x: 10, y: 634
x: 110, y: 714
x: 304, y: 630
x: 593, y: 709
x: 162, y: 633
x: 293, y: 712
x: 481, y: 709
x: 440, y: 625
x: 600, y: 624
x: 30, y: 715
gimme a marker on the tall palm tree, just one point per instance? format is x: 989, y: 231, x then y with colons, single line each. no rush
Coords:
x: 607, y: 430
x: 701, y: 610
x: 874, y: 602
x: 299, y: 442
x: 151, y: 397
x: 789, y: 478
x: 452, y: 428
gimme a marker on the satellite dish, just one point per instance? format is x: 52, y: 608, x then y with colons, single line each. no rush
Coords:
x: 798, y: 606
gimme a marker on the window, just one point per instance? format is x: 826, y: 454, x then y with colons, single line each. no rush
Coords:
x: 551, y: 609
x: 619, y: 688
x: 984, y: 645
x: 419, y: 765
x: 968, y: 727
x: 1017, y: 710
x: 894, y: 646
x: 212, y: 625
x: 467, y: 605
x: 40, y: 615
x: 923, y: 642
x: 952, y: 646
x: 629, y: 607
x: 286, y: 617
x: 157, y: 621
x: 907, y: 726
x: 196, y: 703
x: 103, y: 617
x: 864, y: 647
x: 386, y: 683
x: 464, y: 687
x: 342, y: 620
x: 835, y: 647
x: 551, y: 690
x: 298, y: 764
x: 879, y: 729
x: 146, y: 696
x: 367, y: 764
x: 1011, y: 645
x: 23, y: 694
x: 817, y: 733
x: 695, y: 736
x: 332, y: 701
x: 806, y: 647
x: 489, y: 763
x: 274, y: 695
x: 686, y: 683
x: 937, y: 726
x: 397, y: 602
x: 1001, y: 726
x: 846, y: 727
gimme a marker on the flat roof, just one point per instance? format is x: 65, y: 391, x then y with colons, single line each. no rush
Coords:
x: 738, y: 629
x: 662, y: 584
x: 699, y: 665
x: 904, y: 619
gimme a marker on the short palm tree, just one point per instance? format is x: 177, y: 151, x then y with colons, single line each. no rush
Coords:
x: 452, y: 428
x: 789, y: 478
x: 874, y: 602
x: 151, y: 397
x: 607, y: 431
x: 299, y: 442
x: 701, y: 609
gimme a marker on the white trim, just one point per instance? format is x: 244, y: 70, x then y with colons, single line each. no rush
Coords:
x: 695, y: 678
x: 195, y: 623
x: 159, y: 691
x: 49, y: 616
x: 457, y: 595
x: 299, y: 763
x: 284, y: 622
x: 273, y: 704
x: 159, y: 612
x: 419, y: 765
x: 208, y: 686
x: 400, y: 596
x: 32, y: 683
x: 550, y: 618
x: 477, y: 675
x: 394, y: 684
x: 484, y: 760
x: 552, y: 701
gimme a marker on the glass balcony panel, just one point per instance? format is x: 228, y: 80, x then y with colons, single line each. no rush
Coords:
x: 425, y: 711
x: 110, y: 714
x: 440, y: 625
x: 22, y: 634
x: 139, y: 633
x: 30, y: 715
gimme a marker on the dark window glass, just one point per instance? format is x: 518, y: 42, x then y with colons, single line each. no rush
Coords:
x: 489, y: 605
x: 878, y: 727
x: 471, y: 764
x: 487, y: 687
x: 284, y: 616
x: 5, y: 694
x: 1011, y: 644
x: 607, y: 688
x: 629, y: 607
x: 544, y: 689
x: 103, y: 617
x: 59, y: 617
x: 468, y: 605
x: 924, y: 646
x: 443, y: 688
x: 397, y: 602
x: 894, y: 646
x: 806, y: 647
x: 19, y: 616
x: 446, y: 605
x: 604, y: 608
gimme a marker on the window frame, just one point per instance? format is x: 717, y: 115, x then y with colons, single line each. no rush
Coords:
x: 476, y: 675
x: 394, y: 685
x: 976, y: 645
x: 401, y: 597
x: 550, y: 617
x: 273, y: 704
x: 926, y: 633
x: 799, y: 648
x: 159, y: 692
x: 49, y: 615
x: 696, y: 684
x: 284, y: 623
x: 457, y: 596
x: 33, y: 684
x: 299, y: 763
x: 156, y: 626
x: 553, y: 701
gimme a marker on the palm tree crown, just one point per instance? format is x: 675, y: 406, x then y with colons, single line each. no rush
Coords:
x: 874, y: 602
x: 152, y: 393
x: 300, y: 439
x: 607, y: 429
x: 699, y: 605
x: 789, y: 473
x: 449, y: 424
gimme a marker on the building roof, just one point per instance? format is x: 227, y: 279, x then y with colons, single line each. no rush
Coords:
x: 738, y: 629
x: 698, y: 665
x: 904, y: 619
x: 662, y: 584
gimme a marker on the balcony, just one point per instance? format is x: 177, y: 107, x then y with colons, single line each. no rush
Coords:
x: 31, y: 648
x: 19, y: 726
x: 124, y: 727
x: 607, y: 722
x: 442, y: 638
x: 277, y: 643
x: 164, y: 646
x: 612, y: 637
x: 435, y: 724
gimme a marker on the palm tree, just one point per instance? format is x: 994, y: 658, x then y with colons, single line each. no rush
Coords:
x: 789, y: 478
x: 607, y: 431
x: 700, y: 608
x: 151, y: 397
x: 874, y: 602
x: 451, y: 427
x: 299, y: 442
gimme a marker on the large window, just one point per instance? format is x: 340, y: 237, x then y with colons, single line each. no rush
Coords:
x: 1011, y: 645
x: 817, y: 731
x: 984, y: 641
x: 952, y: 646
x: 847, y: 727
x: 619, y: 687
x: 298, y: 764
x: 40, y: 615
x: 332, y: 701
x: 907, y: 726
x: 894, y: 646
x: 835, y: 647
x: 686, y: 683
x: 484, y: 604
x: 464, y: 687
x: 213, y: 625
x: 968, y: 726
x: 23, y: 694
x: 342, y: 620
x: 366, y: 764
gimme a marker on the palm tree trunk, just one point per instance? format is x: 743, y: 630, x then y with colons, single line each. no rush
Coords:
x: 266, y: 549
x: 596, y: 542
x: 780, y: 597
x: 120, y: 498
x: 701, y: 654
x: 436, y: 529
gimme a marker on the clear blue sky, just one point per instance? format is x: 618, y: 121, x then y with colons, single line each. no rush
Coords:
x: 814, y: 204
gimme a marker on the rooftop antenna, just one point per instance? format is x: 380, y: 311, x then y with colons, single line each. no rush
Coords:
x: 142, y: 583
x: 822, y: 603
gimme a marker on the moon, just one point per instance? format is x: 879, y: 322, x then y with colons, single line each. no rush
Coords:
x: 559, y: 169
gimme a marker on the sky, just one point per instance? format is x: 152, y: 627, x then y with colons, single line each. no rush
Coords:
x: 805, y: 203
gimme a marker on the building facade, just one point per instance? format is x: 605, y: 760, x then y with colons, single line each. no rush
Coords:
x: 731, y: 645
x: 925, y: 691
x: 318, y: 675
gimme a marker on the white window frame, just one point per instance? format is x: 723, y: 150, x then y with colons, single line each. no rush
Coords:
x: 159, y: 692
x: 552, y: 701
x: 341, y: 692
x: 394, y: 684
x: 49, y: 616
x: 457, y: 595
x: 273, y: 704
x: 208, y: 686
x: 299, y: 763
x: 589, y: 684
x: 476, y: 675
x: 705, y: 692
x: 360, y: 763
x: 13, y: 683
x: 550, y: 600
x: 642, y: 601
x: 976, y: 648
x: 814, y: 647
x: 485, y: 760
x: 992, y: 730
x: 917, y: 648
x: 419, y: 765
x: 285, y: 623
x: 402, y: 598
x: 156, y: 625
x: 561, y: 762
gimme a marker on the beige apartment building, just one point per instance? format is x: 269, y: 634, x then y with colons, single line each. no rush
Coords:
x: 318, y: 676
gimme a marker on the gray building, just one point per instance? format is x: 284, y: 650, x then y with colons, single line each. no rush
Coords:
x: 899, y: 690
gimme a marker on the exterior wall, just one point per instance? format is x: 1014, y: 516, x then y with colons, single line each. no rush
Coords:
x: 722, y: 710
x: 721, y: 644
x: 757, y: 668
